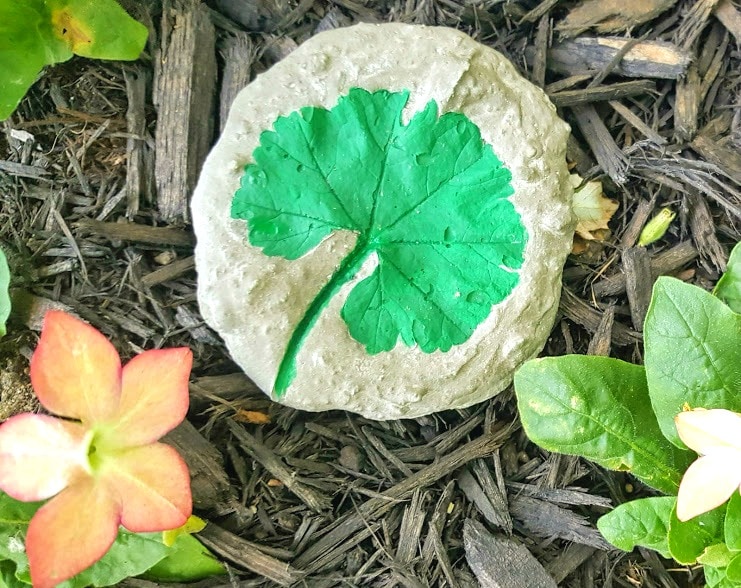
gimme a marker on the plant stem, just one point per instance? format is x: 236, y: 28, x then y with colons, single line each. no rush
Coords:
x: 343, y: 274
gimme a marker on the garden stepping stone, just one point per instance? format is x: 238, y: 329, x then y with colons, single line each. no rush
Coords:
x: 383, y: 223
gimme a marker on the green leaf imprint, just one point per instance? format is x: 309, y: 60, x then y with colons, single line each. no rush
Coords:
x: 428, y: 200
x: 4, y: 294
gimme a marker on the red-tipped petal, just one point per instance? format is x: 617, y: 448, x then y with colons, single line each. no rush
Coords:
x: 75, y: 371
x: 154, y: 485
x: 41, y: 455
x: 154, y: 396
x: 71, y: 532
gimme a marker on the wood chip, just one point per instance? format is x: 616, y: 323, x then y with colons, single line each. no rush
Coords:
x: 663, y: 263
x: 237, y: 53
x: 590, y: 318
x: 248, y: 555
x: 500, y: 562
x: 601, y: 93
x: 138, y: 233
x: 645, y: 59
x: 546, y: 520
x: 211, y: 487
x: 730, y: 17
x: 638, y: 283
x: 611, y: 15
x: 185, y: 68
x: 608, y: 154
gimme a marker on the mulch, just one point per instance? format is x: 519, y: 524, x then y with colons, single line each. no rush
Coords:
x: 95, y: 170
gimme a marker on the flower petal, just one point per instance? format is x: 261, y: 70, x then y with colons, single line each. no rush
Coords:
x: 154, y: 396
x: 704, y: 430
x: 708, y: 483
x: 75, y: 371
x: 41, y: 455
x: 154, y: 485
x: 71, y: 532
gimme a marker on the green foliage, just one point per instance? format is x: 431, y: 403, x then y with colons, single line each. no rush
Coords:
x: 598, y: 408
x: 132, y: 554
x: 622, y: 417
x: 4, y: 294
x: 686, y: 322
x: 643, y: 522
x: 728, y: 288
x: 36, y: 33
x: 428, y: 199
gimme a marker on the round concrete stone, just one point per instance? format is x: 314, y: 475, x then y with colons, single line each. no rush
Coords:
x: 255, y: 301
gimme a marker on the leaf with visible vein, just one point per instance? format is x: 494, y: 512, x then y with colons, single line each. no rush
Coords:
x: 428, y: 201
x: 598, y: 408
x: 693, y: 352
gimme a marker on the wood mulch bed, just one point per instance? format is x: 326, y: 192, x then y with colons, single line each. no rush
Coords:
x: 96, y: 167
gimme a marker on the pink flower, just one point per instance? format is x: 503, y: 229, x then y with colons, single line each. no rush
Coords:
x: 101, y: 461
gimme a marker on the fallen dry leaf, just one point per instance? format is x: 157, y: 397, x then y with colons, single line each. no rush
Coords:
x: 593, y: 211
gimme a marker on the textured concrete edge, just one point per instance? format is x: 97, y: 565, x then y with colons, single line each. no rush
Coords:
x: 224, y: 165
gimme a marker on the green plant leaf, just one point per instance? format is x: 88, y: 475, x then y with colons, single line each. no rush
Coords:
x: 186, y: 561
x: 598, y: 408
x: 689, y: 539
x: 36, y: 33
x: 643, y: 522
x: 131, y: 554
x: 100, y: 29
x: 732, y: 525
x: 428, y: 201
x: 728, y: 288
x: 693, y: 350
x: 23, y: 51
x: 4, y: 297
x: 715, y: 577
x: 717, y: 556
x: 733, y: 571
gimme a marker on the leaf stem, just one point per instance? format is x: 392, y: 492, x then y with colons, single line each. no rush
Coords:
x: 343, y: 274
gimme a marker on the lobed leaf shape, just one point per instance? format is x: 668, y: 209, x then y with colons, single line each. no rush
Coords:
x: 598, y: 408
x: 428, y: 201
x: 643, y: 522
x: 4, y: 293
x: 728, y: 288
x: 693, y: 353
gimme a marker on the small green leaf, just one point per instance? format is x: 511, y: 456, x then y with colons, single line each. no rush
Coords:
x: 428, y: 200
x: 717, y: 556
x: 100, y: 29
x: 715, y: 577
x: 643, y: 522
x: 186, y: 561
x: 733, y: 571
x: 693, y: 350
x: 732, y: 523
x: 728, y: 288
x: 688, y: 539
x: 599, y: 408
x: 4, y: 296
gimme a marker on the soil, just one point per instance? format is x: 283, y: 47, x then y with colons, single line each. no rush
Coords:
x: 93, y: 219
